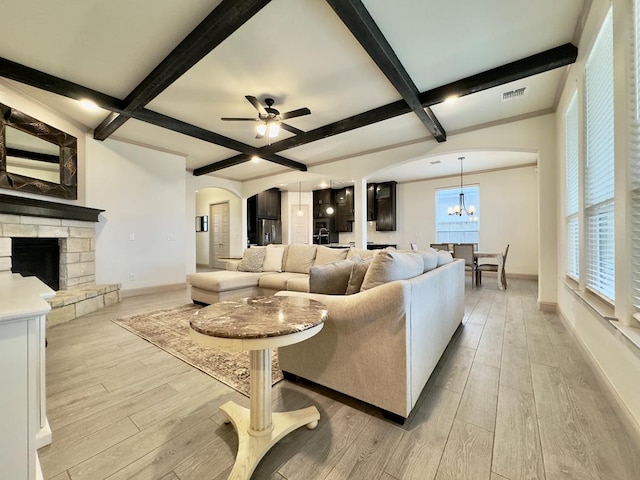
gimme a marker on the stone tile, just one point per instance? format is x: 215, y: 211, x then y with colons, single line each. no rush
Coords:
x: 78, y: 223
x: 61, y: 315
x: 46, y: 231
x: 77, y: 232
x: 5, y: 247
x: 40, y: 221
x: 80, y: 269
x: 18, y: 230
x: 87, y: 256
x: 7, y: 218
x: 76, y: 245
x: 67, y: 258
x: 89, y: 305
x: 111, y: 298
x: 5, y: 264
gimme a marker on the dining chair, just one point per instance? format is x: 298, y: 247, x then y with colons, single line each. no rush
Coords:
x: 465, y: 251
x: 440, y: 246
x: 493, y: 267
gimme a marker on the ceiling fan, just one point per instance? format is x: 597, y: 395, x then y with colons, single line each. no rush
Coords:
x: 269, y: 119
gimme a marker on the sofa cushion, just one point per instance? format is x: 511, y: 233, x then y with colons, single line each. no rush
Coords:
x: 298, y: 284
x: 300, y: 258
x: 390, y: 265
x: 252, y: 259
x: 273, y: 259
x: 330, y: 279
x: 429, y: 258
x: 444, y: 257
x: 325, y: 255
x: 358, y: 272
x: 224, y: 280
x: 355, y: 253
x: 278, y: 281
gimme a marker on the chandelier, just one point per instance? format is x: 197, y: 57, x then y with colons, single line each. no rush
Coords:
x: 460, y: 208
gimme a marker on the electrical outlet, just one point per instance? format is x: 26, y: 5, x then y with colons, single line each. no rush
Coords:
x: 132, y: 277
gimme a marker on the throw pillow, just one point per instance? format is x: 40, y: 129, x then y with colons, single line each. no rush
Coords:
x: 330, y: 279
x: 252, y: 259
x: 273, y: 259
x: 325, y: 255
x: 355, y: 253
x: 300, y: 258
x: 358, y: 272
x: 444, y: 258
x: 390, y: 265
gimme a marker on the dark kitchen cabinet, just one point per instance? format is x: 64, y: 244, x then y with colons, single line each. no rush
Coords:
x: 324, y: 223
x: 268, y: 204
x: 386, y: 206
x: 322, y: 199
x: 371, y: 202
x: 344, y: 209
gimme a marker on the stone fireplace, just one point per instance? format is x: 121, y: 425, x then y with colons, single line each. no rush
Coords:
x: 74, y: 228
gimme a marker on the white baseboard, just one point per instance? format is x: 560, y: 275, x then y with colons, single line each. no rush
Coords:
x: 134, y: 292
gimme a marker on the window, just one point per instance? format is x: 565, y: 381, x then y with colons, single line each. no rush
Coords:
x: 454, y: 228
x: 599, y: 165
x: 571, y: 189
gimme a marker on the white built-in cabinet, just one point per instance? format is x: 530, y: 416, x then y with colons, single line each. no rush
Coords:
x: 23, y: 418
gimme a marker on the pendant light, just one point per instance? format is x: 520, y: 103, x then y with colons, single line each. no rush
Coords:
x: 460, y: 208
x: 329, y: 209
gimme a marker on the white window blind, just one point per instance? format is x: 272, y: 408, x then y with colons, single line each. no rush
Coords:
x: 454, y: 228
x: 599, y: 164
x: 571, y: 188
x: 634, y: 159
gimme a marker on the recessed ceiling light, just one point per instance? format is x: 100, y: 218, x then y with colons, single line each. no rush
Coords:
x: 255, y: 159
x: 89, y: 105
x: 451, y: 99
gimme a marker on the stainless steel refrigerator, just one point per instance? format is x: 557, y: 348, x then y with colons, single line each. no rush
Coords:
x: 269, y: 231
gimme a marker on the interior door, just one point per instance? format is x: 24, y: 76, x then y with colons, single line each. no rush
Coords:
x: 219, y: 238
x: 299, y: 230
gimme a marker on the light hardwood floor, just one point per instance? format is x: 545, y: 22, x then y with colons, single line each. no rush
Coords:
x: 512, y: 398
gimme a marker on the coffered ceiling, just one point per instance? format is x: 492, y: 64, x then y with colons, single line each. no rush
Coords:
x: 373, y: 73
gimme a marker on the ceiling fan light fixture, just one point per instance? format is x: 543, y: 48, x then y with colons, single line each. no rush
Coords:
x: 274, y: 129
x: 261, y: 128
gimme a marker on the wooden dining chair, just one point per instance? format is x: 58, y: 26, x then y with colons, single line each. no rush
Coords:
x: 493, y: 267
x: 440, y: 246
x: 465, y: 251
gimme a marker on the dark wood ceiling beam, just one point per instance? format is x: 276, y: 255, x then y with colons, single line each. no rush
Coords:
x: 526, y: 67
x: 44, y: 81
x: 225, y: 19
x: 363, y: 27
x: 59, y: 86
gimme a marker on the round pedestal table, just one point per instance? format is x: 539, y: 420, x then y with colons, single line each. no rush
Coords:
x: 258, y: 325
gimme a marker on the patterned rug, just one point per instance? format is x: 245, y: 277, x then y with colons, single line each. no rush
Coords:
x: 169, y: 330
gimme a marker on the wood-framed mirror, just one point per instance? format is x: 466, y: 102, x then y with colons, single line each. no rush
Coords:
x: 36, y: 157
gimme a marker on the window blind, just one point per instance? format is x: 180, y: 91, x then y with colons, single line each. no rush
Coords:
x: 572, y: 179
x: 453, y: 228
x: 634, y: 159
x: 599, y: 164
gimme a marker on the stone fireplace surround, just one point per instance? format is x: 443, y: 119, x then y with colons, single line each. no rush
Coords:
x: 78, y: 294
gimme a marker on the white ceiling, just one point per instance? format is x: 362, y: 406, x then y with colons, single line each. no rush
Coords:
x: 301, y: 54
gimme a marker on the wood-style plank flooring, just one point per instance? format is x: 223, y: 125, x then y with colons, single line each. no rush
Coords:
x: 512, y: 398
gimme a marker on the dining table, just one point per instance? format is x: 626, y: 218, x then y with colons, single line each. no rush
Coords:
x: 499, y: 260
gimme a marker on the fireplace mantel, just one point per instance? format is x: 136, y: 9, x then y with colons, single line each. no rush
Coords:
x: 41, y: 208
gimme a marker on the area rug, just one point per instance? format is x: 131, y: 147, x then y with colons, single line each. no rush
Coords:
x: 169, y: 330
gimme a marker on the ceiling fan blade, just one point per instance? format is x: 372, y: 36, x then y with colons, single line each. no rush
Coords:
x: 295, y: 113
x: 239, y: 119
x: 256, y: 104
x: 291, y: 129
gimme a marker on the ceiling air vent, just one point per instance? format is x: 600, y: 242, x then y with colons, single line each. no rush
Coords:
x: 513, y: 94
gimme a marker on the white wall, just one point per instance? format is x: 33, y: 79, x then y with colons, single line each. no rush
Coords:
x: 509, y: 214
x: 209, y: 196
x: 143, y: 194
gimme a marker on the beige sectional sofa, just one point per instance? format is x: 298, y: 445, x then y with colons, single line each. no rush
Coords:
x: 379, y: 345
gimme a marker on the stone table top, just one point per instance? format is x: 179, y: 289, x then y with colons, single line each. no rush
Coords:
x: 259, y: 317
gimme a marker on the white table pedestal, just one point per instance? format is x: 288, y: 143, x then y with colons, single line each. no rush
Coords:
x: 258, y: 428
